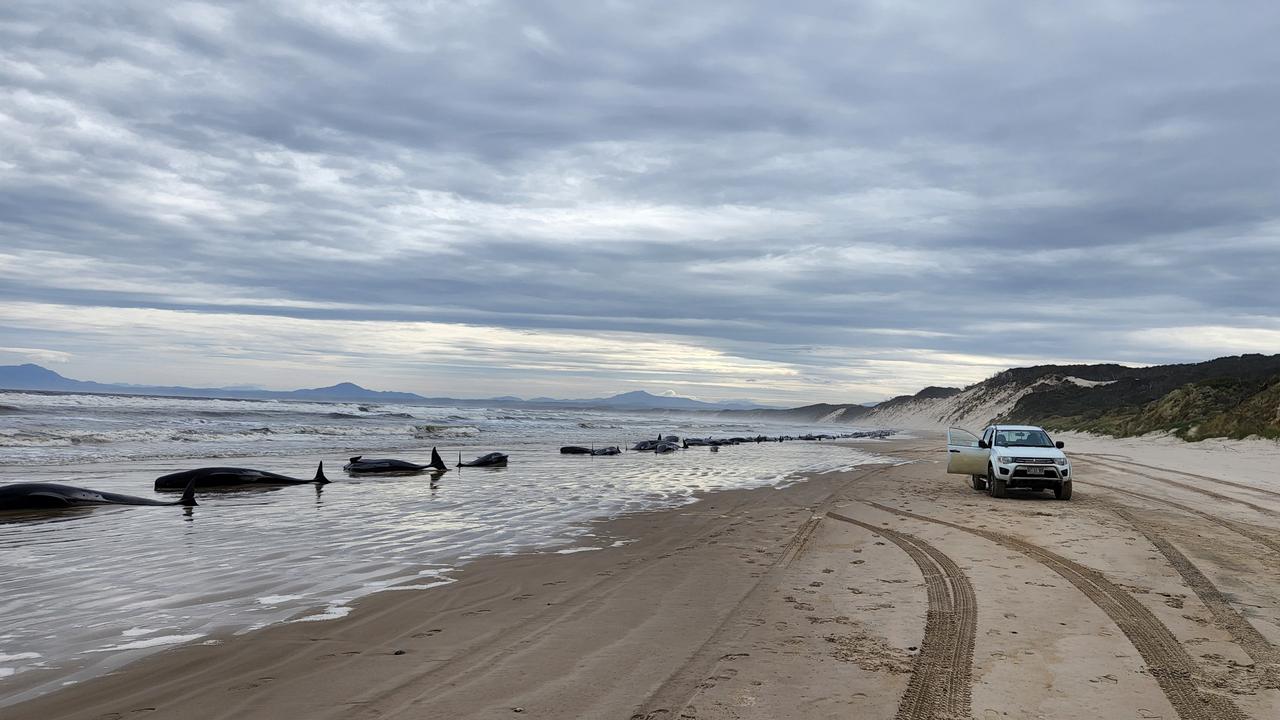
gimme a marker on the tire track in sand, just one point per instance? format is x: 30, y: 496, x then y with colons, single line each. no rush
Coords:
x: 1187, y: 486
x: 1126, y: 463
x: 673, y: 695
x: 941, y: 674
x: 1236, y: 527
x: 1167, y: 661
x: 1254, y: 644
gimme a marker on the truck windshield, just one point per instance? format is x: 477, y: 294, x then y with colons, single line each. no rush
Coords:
x: 1022, y: 438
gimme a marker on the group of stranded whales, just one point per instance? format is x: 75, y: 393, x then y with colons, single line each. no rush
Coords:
x: 54, y: 496
x: 671, y: 443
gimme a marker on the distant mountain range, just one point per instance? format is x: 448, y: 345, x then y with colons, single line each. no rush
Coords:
x: 35, y: 377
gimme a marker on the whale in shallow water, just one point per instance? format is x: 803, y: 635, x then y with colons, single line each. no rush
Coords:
x: 359, y: 465
x: 232, y: 477
x: 580, y: 450
x: 493, y: 459
x: 52, y: 496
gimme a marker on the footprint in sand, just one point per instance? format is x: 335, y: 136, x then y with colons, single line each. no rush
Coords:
x: 261, y: 681
x: 526, y: 596
x: 476, y: 612
x: 347, y: 653
x: 428, y: 633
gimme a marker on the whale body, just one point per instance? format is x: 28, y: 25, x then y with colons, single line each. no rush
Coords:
x: 493, y: 459
x: 53, y: 496
x: 580, y: 450
x: 359, y: 465
x: 231, y: 477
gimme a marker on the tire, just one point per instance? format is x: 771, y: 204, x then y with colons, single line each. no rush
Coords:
x: 1063, y: 491
x: 979, y: 482
x: 996, y: 483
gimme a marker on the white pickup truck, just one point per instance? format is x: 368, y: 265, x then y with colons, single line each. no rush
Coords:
x: 1009, y: 456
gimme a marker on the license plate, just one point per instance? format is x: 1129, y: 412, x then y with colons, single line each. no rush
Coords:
x: 1035, y: 471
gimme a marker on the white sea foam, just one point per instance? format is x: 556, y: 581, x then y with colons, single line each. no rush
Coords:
x: 333, y: 612
x: 158, y: 641
x: 277, y: 599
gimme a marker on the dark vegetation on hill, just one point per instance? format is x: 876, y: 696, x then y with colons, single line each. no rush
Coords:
x: 820, y: 412
x: 930, y: 393
x: 1232, y: 397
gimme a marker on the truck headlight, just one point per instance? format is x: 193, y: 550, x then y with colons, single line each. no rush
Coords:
x: 1060, y: 461
x: 1004, y: 460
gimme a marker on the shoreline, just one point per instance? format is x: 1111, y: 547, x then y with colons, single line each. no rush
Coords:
x: 619, y: 542
x: 258, y: 557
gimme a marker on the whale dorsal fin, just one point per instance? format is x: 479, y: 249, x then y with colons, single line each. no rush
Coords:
x: 437, y: 462
x: 320, y: 478
x: 189, y: 494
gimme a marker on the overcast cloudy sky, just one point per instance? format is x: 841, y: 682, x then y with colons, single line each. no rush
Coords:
x: 791, y: 202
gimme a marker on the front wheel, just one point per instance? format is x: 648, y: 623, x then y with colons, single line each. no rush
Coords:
x: 979, y: 482
x: 1063, y: 490
x: 995, y: 482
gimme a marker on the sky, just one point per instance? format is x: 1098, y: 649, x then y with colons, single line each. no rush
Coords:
x: 789, y: 202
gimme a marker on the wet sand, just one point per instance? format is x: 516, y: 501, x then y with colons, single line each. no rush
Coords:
x: 888, y: 591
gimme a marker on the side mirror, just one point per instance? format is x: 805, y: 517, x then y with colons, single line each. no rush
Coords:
x: 1059, y: 444
x: 983, y: 444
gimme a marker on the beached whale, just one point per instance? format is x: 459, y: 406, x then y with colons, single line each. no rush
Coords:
x: 52, y: 496
x: 493, y: 459
x: 579, y: 450
x: 208, y: 477
x: 359, y: 465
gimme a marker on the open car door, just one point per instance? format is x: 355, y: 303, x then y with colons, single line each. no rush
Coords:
x: 964, y: 457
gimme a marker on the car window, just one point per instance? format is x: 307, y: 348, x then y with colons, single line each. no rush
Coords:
x: 1022, y: 438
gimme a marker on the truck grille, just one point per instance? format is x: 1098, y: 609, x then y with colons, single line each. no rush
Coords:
x: 1033, y: 461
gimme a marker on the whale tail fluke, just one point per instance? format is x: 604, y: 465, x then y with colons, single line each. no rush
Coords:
x: 188, y: 498
x: 320, y: 478
x: 437, y: 462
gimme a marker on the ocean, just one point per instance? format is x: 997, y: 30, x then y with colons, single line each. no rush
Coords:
x: 88, y: 590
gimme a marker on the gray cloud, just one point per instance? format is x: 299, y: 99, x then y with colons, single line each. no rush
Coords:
x: 833, y: 189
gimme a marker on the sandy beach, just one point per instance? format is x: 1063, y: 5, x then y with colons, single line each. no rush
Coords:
x: 886, y: 591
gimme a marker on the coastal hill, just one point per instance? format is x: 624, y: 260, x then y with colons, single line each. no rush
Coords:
x: 37, y: 378
x: 1234, y: 397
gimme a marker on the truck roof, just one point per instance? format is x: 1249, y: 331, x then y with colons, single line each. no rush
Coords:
x: 1017, y: 427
